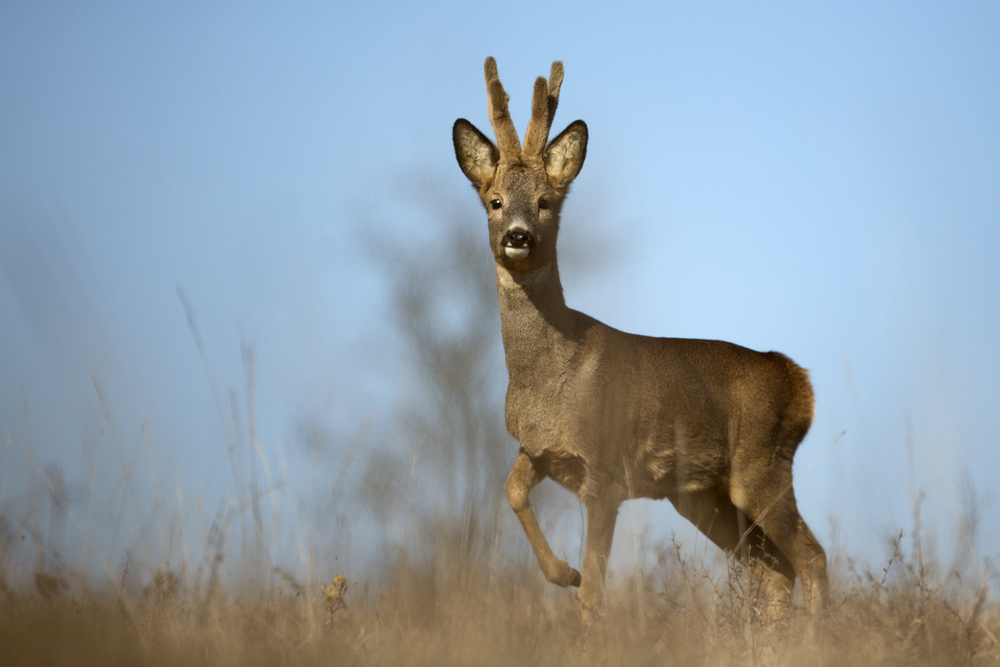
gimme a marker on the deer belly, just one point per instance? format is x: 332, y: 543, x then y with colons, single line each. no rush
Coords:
x: 680, y: 466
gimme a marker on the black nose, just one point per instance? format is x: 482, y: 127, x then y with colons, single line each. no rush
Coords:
x: 516, y: 239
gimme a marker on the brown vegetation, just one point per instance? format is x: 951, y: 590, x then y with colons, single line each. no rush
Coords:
x: 679, y: 612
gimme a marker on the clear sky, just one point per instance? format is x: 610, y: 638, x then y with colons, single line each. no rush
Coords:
x: 818, y: 178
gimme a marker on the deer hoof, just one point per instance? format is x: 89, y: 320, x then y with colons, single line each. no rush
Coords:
x: 564, y: 575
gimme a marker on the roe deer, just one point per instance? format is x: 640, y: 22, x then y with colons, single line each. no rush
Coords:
x: 709, y: 425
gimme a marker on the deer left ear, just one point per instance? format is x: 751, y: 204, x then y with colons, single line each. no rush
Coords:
x: 477, y: 156
x: 564, y: 154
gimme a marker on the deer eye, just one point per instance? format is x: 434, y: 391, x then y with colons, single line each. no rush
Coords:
x: 496, y: 204
x: 543, y: 203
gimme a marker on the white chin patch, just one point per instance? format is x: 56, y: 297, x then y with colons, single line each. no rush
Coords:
x: 515, y: 253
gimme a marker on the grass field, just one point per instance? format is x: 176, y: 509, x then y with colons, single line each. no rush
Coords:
x: 450, y: 610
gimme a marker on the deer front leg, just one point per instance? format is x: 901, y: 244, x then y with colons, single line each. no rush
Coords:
x: 601, y: 517
x: 523, y: 477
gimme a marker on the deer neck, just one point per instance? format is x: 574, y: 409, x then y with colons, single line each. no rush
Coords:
x: 539, y: 331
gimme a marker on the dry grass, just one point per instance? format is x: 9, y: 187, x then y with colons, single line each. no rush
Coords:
x: 681, y: 612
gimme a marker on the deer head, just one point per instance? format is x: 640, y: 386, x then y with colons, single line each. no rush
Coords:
x: 522, y: 187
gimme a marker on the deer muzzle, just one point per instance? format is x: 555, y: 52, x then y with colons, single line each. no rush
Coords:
x: 517, y: 243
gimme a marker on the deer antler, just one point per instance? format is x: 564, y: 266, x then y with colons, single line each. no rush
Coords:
x: 503, y: 126
x: 543, y: 111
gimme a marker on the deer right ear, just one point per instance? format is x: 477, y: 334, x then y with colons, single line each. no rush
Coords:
x: 477, y: 156
x: 565, y: 154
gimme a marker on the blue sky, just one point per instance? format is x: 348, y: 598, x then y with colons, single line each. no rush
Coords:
x: 817, y: 178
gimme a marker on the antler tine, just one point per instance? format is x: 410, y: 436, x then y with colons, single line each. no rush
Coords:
x: 555, y: 83
x: 538, y: 127
x: 543, y: 111
x: 503, y: 126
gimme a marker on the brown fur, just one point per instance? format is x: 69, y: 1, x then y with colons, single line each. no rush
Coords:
x: 709, y: 425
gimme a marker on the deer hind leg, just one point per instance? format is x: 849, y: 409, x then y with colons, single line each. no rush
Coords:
x: 767, y: 498
x: 523, y: 477
x: 715, y: 515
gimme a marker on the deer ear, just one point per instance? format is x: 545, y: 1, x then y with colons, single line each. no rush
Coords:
x: 477, y: 156
x: 564, y: 154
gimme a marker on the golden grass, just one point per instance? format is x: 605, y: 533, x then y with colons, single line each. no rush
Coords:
x: 680, y: 612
